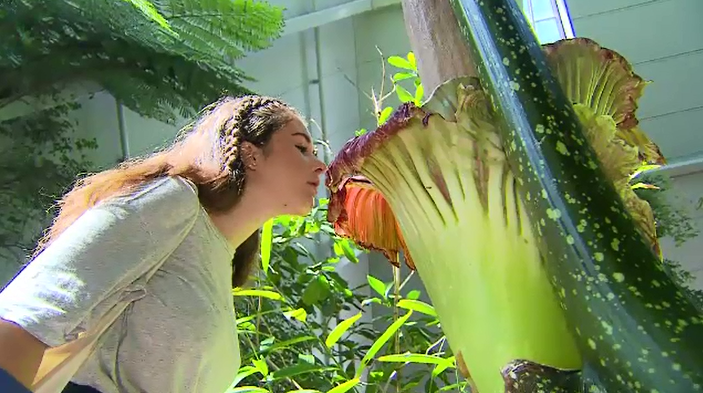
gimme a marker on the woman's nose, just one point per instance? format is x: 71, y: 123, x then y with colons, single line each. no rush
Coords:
x: 319, y: 166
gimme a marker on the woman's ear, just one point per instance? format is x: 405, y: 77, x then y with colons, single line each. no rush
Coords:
x: 251, y: 155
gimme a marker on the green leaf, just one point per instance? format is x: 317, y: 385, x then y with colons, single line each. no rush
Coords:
x: 343, y: 247
x: 307, y: 358
x: 340, y: 329
x: 644, y: 168
x: 348, y: 251
x: 448, y: 363
x: 413, y: 295
x: 385, y: 114
x: 382, y: 340
x: 401, y: 76
x: 147, y: 8
x: 243, y: 373
x: 303, y: 391
x: 371, y: 301
x: 266, y: 242
x: 419, y: 95
x: 417, y: 305
x: 403, y: 94
x: 289, y: 343
x: 316, y: 291
x: 297, y: 369
x: 397, y: 61
x: 412, y: 60
x: 413, y: 358
x: 247, y: 389
x: 345, y: 386
x: 261, y: 366
x: 300, y: 314
x: 377, y: 285
x: 257, y: 293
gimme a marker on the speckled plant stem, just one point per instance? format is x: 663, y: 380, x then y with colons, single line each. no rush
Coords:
x: 634, y: 327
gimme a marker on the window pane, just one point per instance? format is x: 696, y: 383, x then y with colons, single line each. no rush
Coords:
x: 542, y: 9
x: 548, y: 31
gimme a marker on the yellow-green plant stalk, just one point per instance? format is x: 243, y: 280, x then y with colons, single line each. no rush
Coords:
x: 457, y: 207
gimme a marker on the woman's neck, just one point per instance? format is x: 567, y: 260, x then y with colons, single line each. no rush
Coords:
x: 246, y: 217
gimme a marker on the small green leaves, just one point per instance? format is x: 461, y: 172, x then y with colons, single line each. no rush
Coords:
x: 416, y: 305
x: 247, y: 389
x: 261, y: 366
x: 299, y: 314
x: 266, y: 242
x: 416, y: 358
x: 399, y: 62
x: 316, y: 291
x: 382, y: 340
x: 403, y: 94
x: 345, y: 386
x: 385, y: 115
x: 377, y: 285
x: 343, y: 247
x: 257, y: 292
x: 340, y: 329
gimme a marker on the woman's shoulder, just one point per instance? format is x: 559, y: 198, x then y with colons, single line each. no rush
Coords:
x: 167, y: 195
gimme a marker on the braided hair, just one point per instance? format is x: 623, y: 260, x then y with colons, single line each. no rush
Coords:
x: 251, y: 119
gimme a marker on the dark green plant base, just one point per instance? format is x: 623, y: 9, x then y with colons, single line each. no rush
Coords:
x: 525, y: 376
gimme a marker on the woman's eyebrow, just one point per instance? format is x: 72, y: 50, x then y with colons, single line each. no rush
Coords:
x: 304, y: 135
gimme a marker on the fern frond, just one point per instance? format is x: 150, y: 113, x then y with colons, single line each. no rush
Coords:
x: 52, y: 43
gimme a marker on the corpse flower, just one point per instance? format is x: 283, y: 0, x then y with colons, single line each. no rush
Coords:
x: 440, y: 177
x: 361, y: 213
x: 455, y: 201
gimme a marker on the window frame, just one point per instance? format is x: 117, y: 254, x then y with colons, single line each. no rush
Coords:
x: 560, y: 14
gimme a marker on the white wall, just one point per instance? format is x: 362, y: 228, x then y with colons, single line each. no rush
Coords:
x: 664, y: 41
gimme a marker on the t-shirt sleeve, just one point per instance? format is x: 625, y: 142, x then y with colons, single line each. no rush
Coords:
x: 106, y: 250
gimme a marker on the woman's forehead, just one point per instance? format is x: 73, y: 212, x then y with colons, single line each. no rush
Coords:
x: 296, y: 128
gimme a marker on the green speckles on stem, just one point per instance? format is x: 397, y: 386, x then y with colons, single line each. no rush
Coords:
x: 615, y: 245
x: 514, y: 85
x: 562, y: 149
x: 592, y: 344
x: 619, y: 277
x: 581, y: 227
x: 570, y: 239
x: 598, y: 256
x: 554, y: 214
x: 506, y: 61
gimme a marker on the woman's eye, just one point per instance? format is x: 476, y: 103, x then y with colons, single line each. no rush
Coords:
x: 303, y: 149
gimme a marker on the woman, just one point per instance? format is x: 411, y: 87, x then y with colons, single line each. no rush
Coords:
x: 198, y: 206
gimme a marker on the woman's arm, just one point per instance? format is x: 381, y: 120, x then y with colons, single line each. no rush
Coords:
x: 20, y: 356
x: 69, y: 286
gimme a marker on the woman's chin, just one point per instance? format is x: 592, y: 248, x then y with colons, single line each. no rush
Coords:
x: 303, y: 209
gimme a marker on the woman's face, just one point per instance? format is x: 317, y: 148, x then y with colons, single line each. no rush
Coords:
x: 287, y: 170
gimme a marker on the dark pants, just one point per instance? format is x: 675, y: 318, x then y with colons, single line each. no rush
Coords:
x: 73, y: 388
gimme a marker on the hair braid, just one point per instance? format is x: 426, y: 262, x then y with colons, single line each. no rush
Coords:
x: 233, y: 133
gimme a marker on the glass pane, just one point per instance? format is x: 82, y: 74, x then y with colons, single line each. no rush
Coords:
x: 548, y: 31
x: 543, y: 9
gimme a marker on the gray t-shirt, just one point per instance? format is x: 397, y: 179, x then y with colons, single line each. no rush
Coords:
x: 181, y: 336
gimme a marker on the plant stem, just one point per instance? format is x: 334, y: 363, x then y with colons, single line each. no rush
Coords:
x: 396, y: 315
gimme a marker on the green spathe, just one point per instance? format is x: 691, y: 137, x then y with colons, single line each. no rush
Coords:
x: 466, y: 228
